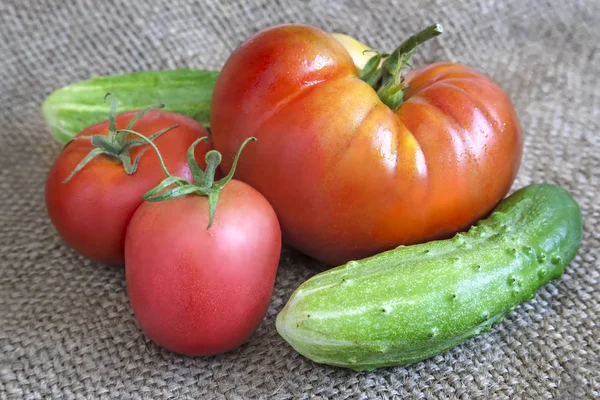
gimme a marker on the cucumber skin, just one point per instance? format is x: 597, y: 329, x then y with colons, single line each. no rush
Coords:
x: 413, y: 302
x: 69, y: 110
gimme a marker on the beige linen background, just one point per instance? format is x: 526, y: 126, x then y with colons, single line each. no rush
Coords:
x: 66, y: 329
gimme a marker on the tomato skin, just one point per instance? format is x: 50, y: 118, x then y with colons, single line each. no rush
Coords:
x: 197, y: 291
x: 91, y: 211
x: 347, y: 176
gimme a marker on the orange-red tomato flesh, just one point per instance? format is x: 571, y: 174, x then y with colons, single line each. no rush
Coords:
x: 347, y: 176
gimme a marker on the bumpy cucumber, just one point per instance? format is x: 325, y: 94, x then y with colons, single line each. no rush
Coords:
x: 69, y: 110
x: 413, y: 302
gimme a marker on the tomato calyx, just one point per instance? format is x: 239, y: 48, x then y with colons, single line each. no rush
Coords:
x: 204, y: 181
x: 117, y: 144
x: 388, y: 77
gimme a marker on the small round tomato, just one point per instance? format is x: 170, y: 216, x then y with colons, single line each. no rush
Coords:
x: 92, y: 209
x: 196, y: 290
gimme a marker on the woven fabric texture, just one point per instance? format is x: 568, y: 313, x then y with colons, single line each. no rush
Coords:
x: 66, y: 328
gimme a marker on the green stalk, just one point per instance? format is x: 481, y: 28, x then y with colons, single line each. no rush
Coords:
x: 204, y: 183
x: 389, y: 79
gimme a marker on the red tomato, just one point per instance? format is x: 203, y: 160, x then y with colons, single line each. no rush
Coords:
x: 348, y: 176
x: 200, y: 291
x: 91, y: 211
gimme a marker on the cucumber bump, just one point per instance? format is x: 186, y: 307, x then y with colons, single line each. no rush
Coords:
x: 413, y: 302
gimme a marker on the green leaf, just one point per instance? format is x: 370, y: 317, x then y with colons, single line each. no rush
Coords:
x: 140, y: 142
x: 131, y: 168
x: 176, y: 192
x: 142, y: 112
x: 197, y: 172
x: 224, y: 181
x: 374, y: 78
x: 370, y: 67
x: 151, y: 143
x: 89, y: 157
x: 163, y: 185
x: 213, y: 199
x: 106, y: 144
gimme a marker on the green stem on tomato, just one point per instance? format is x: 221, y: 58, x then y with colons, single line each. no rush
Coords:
x: 388, y: 80
x: 116, y: 145
x: 151, y: 143
x: 204, y: 181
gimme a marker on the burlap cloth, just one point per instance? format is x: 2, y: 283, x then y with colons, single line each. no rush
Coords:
x: 66, y: 329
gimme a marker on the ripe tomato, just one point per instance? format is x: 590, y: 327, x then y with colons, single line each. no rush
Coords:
x: 200, y: 291
x: 92, y: 210
x: 347, y: 175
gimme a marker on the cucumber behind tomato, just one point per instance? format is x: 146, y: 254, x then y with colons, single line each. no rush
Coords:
x: 67, y: 111
x: 413, y: 302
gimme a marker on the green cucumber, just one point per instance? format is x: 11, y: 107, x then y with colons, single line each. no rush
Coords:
x: 67, y: 111
x: 413, y: 302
